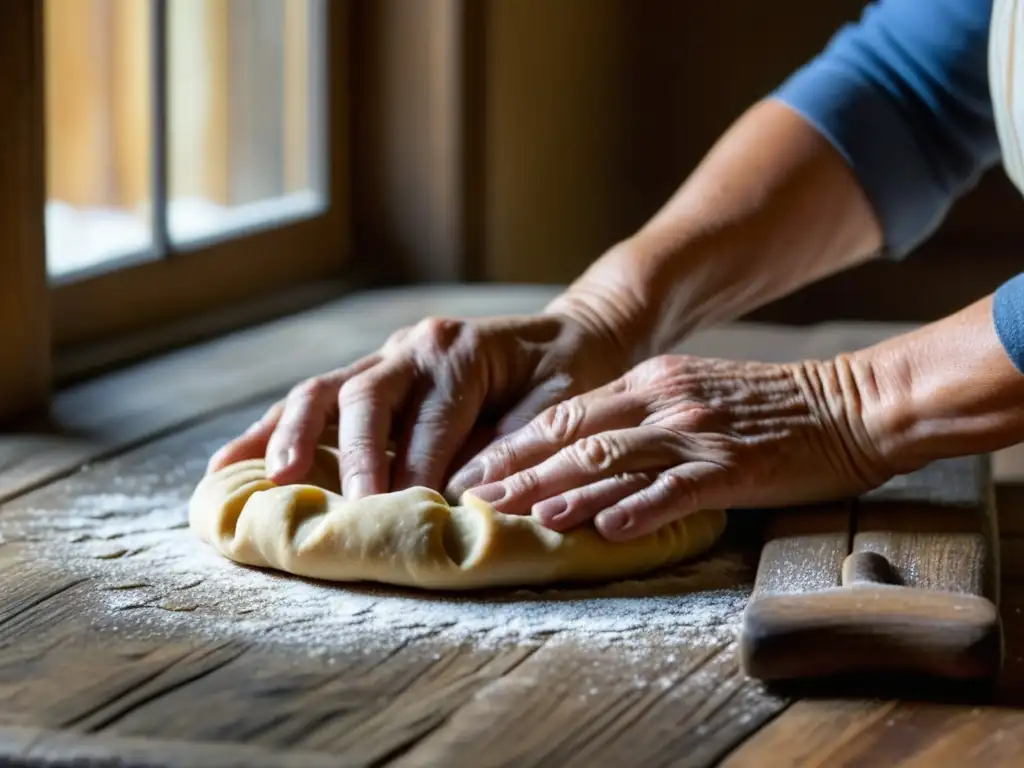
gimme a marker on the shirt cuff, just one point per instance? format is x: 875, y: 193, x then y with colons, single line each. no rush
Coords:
x: 1008, y: 317
x: 868, y: 130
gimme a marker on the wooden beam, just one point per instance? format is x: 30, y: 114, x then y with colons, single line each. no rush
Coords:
x: 414, y: 159
x: 24, y: 301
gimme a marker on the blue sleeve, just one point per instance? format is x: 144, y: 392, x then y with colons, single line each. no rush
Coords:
x: 903, y: 95
x: 1008, y: 317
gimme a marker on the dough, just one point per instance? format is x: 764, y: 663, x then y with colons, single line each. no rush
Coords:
x: 414, y: 538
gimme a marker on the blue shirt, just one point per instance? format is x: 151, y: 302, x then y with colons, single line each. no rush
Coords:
x: 903, y: 95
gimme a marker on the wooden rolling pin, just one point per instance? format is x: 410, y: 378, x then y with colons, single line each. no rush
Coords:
x: 903, y: 580
x: 871, y: 623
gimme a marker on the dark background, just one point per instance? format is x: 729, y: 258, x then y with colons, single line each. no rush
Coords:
x: 593, y: 111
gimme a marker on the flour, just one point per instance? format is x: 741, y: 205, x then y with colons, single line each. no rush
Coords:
x: 155, y: 578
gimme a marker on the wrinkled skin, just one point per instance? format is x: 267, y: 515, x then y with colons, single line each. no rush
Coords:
x: 678, y: 434
x: 438, y: 392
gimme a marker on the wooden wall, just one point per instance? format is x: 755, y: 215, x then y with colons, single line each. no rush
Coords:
x: 593, y: 111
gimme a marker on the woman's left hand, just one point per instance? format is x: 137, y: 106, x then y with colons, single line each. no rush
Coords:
x: 678, y: 434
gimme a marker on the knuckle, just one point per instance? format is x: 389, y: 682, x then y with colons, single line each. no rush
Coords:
x: 695, y: 418
x: 356, y: 390
x: 438, y: 331
x: 595, y: 453
x: 678, y: 490
x: 560, y: 423
x: 357, y: 455
x: 434, y: 415
x: 500, y: 458
x: 272, y: 414
x: 307, y: 391
x: 522, y: 482
x: 396, y: 338
x: 656, y: 367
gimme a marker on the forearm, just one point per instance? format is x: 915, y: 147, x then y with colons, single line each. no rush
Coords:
x: 947, y: 389
x: 772, y: 207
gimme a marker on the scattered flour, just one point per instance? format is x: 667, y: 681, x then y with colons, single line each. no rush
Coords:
x: 150, y: 576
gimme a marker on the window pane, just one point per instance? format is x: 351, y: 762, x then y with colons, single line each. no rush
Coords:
x: 97, y: 60
x: 240, y: 76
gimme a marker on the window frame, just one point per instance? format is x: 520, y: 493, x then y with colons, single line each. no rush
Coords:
x: 411, y: 150
x: 238, y: 266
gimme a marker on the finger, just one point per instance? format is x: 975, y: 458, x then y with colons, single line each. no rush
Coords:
x: 556, y: 428
x: 681, y: 491
x: 395, y: 340
x: 440, y: 422
x: 588, y: 460
x: 251, y: 444
x: 575, y: 507
x: 368, y: 404
x: 292, y: 444
x: 480, y: 437
x: 309, y: 410
x: 555, y: 390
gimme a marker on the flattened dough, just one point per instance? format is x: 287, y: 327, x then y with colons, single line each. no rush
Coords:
x: 414, y: 538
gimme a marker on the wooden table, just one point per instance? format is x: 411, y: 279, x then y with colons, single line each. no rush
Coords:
x: 120, y: 636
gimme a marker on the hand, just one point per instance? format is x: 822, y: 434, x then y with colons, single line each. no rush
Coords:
x: 437, y: 390
x: 678, y: 434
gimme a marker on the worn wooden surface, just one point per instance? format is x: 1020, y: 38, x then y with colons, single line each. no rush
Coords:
x: 803, y: 550
x: 943, y: 549
x: 936, y: 533
x: 936, y: 527
x: 72, y: 659
x: 120, y: 639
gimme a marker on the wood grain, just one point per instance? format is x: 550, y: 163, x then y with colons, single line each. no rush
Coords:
x: 414, y: 168
x: 816, y: 735
x: 803, y: 550
x: 77, y: 684
x: 69, y: 664
x: 952, y: 502
x: 937, y: 527
x: 42, y: 748
x: 807, y: 734
x: 574, y: 705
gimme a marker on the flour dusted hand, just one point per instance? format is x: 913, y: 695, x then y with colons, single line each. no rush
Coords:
x: 413, y: 537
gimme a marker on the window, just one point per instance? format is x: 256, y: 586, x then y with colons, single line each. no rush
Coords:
x: 239, y: 146
x: 187, y: 161
x: 170, y: 159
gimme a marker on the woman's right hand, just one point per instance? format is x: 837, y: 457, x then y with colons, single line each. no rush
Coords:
x: 438, y: 392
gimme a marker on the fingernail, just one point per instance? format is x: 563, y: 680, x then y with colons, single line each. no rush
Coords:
x: 614, y: 520
x: 550, y: 510
x: 280, y: 461
x: 466, y: 478
x: 491, y: 494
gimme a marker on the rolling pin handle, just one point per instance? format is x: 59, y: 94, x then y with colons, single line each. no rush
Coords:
x: 864, y: 568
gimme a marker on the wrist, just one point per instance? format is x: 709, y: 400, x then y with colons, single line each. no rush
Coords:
x: 947, y: 389
x: 647, y: 293
x: 607, y: 303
